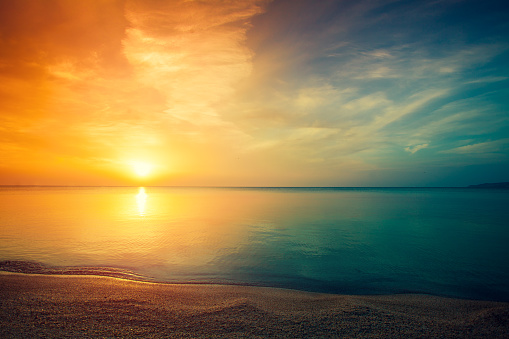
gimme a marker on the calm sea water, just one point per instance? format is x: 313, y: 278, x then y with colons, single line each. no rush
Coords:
x: 449, y: 242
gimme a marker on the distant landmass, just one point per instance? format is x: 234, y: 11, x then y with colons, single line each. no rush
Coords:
x: 491, y: 185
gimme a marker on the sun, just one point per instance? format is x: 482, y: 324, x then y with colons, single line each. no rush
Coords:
x: 141, y: 169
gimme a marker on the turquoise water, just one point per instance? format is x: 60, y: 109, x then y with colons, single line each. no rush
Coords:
x: 440, y: 241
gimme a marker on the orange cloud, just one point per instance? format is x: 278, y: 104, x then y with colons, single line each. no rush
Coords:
x: 87, y: 86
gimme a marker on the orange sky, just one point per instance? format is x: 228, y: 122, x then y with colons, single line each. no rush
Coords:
x: 250, y: 93
x: 88, y: 87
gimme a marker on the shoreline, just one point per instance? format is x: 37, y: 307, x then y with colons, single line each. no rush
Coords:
x: 37, y: 305
x: 37, y: 268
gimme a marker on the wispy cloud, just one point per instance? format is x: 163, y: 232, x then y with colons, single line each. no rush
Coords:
x: 415, y: 148
x: 498, y: 146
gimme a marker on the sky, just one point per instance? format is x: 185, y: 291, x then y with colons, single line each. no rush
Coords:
x: 254, y: 92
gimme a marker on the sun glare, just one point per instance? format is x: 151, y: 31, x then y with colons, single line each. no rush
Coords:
x: 141, y: 169
x: 141, y: 201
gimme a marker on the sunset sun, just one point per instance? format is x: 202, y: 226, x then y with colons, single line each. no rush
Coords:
x: 141, y: 169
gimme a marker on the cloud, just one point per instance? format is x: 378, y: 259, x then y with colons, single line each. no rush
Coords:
x: 415, y: 148
x: 487, y: 147
x: 192, y: 52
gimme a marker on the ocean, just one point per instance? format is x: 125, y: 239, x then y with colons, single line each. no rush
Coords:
x: 450, y: 242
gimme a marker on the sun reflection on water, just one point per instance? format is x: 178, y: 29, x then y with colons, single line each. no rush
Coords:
x: 141, y: 200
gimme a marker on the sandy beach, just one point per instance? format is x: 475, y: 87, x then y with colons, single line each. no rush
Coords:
x: 91, y: 306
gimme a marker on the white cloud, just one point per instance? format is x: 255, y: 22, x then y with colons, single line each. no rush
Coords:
x: 481, y: 148
x: 486, y: 80
x: 415, y: 148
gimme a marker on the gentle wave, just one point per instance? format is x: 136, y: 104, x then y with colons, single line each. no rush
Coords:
x: 30, y: 267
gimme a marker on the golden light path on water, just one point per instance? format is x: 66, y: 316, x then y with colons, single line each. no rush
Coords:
x: 126, y: 226
x: 141, y: 201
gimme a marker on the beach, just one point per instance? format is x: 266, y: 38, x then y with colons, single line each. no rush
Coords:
x: 34, y: 305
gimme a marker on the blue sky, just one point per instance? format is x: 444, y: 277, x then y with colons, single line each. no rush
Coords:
x: 404, y: 92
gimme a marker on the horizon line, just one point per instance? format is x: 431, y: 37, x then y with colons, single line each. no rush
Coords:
x: 213, y: 186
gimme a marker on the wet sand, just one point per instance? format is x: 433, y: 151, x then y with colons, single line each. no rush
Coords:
x: 33, y: 306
